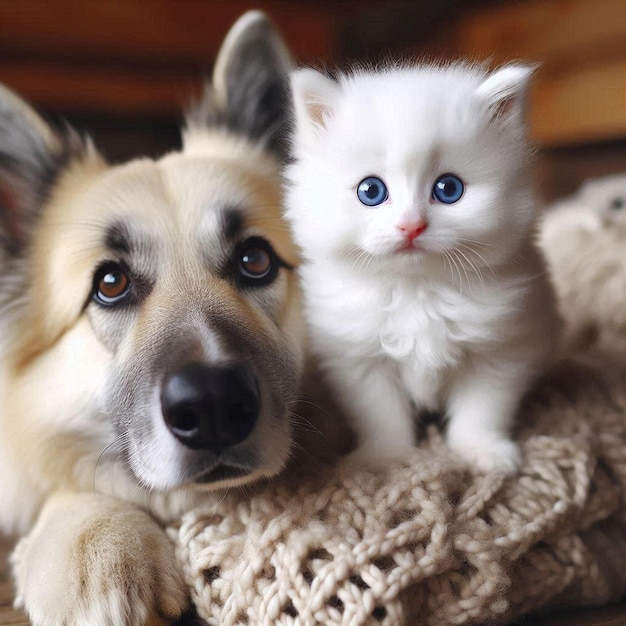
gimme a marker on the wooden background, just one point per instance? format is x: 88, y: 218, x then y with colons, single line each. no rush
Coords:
x: 123, y: 69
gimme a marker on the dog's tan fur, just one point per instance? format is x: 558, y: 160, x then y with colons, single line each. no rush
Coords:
x: 89, y: 555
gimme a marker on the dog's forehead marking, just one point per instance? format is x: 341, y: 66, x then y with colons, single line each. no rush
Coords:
x: 233, y: 222
x: 199, y: 186
x: 226, y: 195
x: 117, y: 238
x: 193, y: 201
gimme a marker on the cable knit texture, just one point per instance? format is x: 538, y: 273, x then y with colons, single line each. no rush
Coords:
x: 426, y: 541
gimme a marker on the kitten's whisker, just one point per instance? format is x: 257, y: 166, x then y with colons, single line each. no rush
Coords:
x: 363, y: 262
x: 453, y: 267
x: 477, y: 270
x: 446, y: 261
x: 475, y: 252
x: 469, y: 284
x: 478, y: 243
x: 360, y: 258
x: 458, y: 271
x: 473, y: 267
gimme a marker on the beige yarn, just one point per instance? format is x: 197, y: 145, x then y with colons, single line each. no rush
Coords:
x: 427, y: 542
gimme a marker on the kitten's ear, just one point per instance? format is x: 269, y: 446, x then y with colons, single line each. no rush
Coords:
x: 250, y: 87
x: 505, y: 91
x: 314, y: 96
x: 32, y: 155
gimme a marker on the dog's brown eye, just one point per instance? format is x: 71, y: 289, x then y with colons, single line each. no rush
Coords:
x: 111, y: 284
x: 257, y: 263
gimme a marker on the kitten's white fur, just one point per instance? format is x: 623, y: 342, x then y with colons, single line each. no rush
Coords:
x: 466, y: 320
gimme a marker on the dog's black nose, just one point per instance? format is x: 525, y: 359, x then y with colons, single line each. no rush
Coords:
x: 210, y: 408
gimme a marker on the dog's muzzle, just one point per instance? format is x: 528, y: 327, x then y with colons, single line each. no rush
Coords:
x: 211, y: 408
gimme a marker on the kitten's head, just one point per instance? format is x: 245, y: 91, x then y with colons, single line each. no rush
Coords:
x: 411, y: 169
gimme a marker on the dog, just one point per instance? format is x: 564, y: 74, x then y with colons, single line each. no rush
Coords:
x: 152, y: 340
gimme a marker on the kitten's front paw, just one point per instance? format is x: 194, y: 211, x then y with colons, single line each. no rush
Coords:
x: 109, y: 574
x: 493, y: 455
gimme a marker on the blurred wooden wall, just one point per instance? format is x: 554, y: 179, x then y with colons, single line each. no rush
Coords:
x: 578, y: 100
x: 124, y: 69
x: 128, y: 57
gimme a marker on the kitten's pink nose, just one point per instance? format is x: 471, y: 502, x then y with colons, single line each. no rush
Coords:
x: 412, y: 230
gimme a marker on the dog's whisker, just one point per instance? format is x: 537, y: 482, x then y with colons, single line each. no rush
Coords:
x: 297, y: 446
x: 225, y: 493
x: 302, y: 424
x: 306, y: 401
x: 114, y: 444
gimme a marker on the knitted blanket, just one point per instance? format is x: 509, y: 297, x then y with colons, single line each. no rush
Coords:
x: 427, y: 541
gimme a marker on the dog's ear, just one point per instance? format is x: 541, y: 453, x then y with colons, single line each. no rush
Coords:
x: 31, y: 157
x: 250, y: 92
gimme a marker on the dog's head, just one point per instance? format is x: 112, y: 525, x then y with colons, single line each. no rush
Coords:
x: 150, y: 310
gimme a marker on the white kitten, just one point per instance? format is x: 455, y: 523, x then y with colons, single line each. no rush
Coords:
x: 411, y: 197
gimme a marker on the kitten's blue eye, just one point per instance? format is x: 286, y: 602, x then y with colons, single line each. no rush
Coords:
x: 371, y: 191
x: 448, y: 189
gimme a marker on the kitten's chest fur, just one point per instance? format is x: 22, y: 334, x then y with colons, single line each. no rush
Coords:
x: 424, y: 328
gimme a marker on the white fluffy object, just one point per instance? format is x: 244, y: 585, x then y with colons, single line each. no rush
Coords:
x: 584, y: 240
x: 459, y: 319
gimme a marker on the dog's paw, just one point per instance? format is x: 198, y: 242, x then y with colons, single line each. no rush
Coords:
x: 113, y: 572
x: 491, y: 455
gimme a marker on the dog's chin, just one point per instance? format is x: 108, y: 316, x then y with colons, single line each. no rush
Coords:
x: 220, y: 473
x: 224, y: 476
x: 205, y: 474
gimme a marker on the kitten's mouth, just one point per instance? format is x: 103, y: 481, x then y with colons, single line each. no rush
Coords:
x: 408, y: 247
